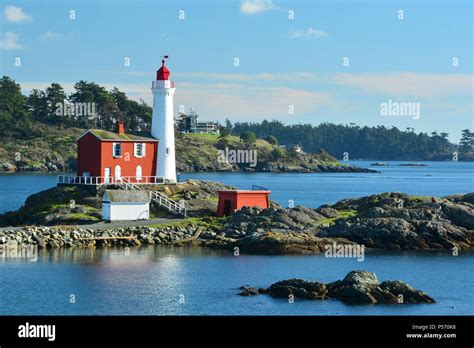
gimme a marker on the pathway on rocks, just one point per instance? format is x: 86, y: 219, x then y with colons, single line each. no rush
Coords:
x: 104, y: 225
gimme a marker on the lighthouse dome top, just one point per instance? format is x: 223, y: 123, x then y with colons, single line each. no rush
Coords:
x: 163, y: 73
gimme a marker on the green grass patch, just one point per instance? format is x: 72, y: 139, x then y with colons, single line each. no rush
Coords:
x: 83, y: 216
x: 347, y: 213
x: 34, y: 163
x: 208, y: 136
x: 191, y: 221
x: 419, y: 198
x: 342, y: 214
x: 333, y: 163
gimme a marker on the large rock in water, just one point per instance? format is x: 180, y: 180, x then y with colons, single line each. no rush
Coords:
x: 360, y: 287
x: 299, y: 288
x: 357, y: 287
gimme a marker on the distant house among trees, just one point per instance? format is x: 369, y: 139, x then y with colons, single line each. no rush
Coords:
x: 292, y: 147
x: 189, y: 123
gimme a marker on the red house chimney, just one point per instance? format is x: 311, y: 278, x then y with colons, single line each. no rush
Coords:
x: 120, y: 127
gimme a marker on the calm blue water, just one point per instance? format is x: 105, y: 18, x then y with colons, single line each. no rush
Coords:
x: 151, y: 279
x: 312, y: 190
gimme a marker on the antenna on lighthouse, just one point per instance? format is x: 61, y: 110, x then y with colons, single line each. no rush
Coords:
x: 163, y: 59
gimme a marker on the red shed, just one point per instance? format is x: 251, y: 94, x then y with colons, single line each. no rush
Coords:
x: 110, y: 156
x: 232, y: 200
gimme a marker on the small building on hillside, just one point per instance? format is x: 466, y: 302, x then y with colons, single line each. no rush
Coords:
x: 121, y: 205
x: 233, y: 200
x: 292, y: 147
x: 109, y: 156
x: 188, y: 123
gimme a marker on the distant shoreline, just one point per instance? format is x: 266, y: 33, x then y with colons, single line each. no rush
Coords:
x: 376, y: 163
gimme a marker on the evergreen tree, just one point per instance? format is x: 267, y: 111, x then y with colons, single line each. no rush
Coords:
x: 14, y: 114
x: 467, y: 141
x: 272, y: 140
x: 55, y: 99
x: 38, y: 105
x: 248, y: 138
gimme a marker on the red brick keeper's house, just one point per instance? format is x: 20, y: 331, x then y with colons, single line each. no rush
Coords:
x: 116, y: 156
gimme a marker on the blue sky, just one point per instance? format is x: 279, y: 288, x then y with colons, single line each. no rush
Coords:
x: 284, y: 63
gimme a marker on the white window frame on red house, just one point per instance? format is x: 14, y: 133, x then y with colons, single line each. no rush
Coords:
x: 114, y: 147
x: 143, y: 150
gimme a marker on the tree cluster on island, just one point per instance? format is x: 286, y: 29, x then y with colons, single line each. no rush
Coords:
x: 364, y: 142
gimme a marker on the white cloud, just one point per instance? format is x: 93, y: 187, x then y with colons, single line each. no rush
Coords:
x: 251, y: 7
x: 307, y: 33
x: 408, y: 83
x: 49, y: 35
x: 16, y: 14
x: 244, y: 102
x: 9, y: 41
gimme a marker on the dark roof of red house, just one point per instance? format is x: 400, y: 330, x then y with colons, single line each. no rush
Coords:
x: 111, y: 136
x: 126, y: 196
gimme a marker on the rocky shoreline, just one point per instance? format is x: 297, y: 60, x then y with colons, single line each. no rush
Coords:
x: 57, y: 237
x: 357, y: 287
x: 59, y: 167
x: 317, y: 168
x: 383, y: 164
x: 389, y: 221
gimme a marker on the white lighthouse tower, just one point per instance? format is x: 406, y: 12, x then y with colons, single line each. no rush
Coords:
x: 162, y: 126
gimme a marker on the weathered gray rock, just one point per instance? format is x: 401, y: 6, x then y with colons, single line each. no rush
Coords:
x: 461, y: 214
x: 357, y: 287
x: 283, y: 242
x: 393, y: 221
x: 8, y: 167
x: 256, y: 220
x: 327, y: 212
x: 299, y: 288
x: 248, y: 291
x: 404, y: 292
x: 363, y: 278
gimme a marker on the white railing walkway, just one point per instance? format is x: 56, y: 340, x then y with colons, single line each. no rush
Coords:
x: 128, y: 183
x: 158, y: 197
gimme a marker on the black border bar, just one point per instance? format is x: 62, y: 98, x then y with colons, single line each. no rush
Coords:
x: 242, y: 330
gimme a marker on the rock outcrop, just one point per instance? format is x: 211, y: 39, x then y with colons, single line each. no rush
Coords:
x: 390, y: 221
x: 357, y: 287
x: 401, y: 222
x: 276, y: 243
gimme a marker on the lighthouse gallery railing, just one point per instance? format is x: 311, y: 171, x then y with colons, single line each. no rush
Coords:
x: 109, y: 180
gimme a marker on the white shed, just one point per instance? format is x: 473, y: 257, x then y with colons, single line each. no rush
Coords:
x: 125, y: 205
